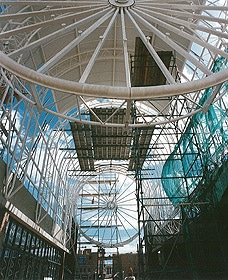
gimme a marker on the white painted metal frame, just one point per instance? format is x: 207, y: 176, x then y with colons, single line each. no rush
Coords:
x: 145, y: 17
x: 44, y: 160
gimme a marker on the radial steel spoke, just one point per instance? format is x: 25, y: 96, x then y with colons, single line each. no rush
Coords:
x: 120, y: 197
x: 74, y: 43
x: 126, y: 207
x: 54, y: 35
x: 173, y: 45
x: 127, y: 214
x: 157, y: 19
x: 153, y: 53
x: 98, y: 49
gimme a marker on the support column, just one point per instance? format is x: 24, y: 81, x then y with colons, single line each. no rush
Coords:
x: 4, y: 216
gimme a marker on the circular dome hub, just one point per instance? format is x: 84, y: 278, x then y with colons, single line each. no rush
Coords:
x: 111, y: 205
x: 121, y: 3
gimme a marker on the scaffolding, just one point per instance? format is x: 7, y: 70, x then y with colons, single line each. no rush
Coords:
x: 84, y: 79
x: 178, y: 224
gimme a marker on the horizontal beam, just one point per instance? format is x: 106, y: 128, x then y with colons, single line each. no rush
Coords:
x: 99, y: 91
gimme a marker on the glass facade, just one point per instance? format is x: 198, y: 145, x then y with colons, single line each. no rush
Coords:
x: 25, y: 255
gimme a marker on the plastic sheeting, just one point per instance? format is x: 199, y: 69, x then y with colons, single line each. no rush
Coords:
x: 201, y: 150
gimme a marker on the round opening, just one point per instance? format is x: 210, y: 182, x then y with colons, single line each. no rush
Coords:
x: 122, y: 3
x: 111, y: 205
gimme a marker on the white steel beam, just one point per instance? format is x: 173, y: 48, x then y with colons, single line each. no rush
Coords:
x: 98, y: 49
x: 173, y: 45
x: 74, y: 43
x: 58, y: 33
x: 134, y: 93
x: 153, y: 53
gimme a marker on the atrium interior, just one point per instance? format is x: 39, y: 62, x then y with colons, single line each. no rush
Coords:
x: 113, y: 139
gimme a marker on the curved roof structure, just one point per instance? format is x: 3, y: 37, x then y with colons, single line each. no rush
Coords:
x: 93, y: 92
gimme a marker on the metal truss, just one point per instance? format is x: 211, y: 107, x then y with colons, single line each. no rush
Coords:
x: 196, y: 33
x: 61, y: 60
